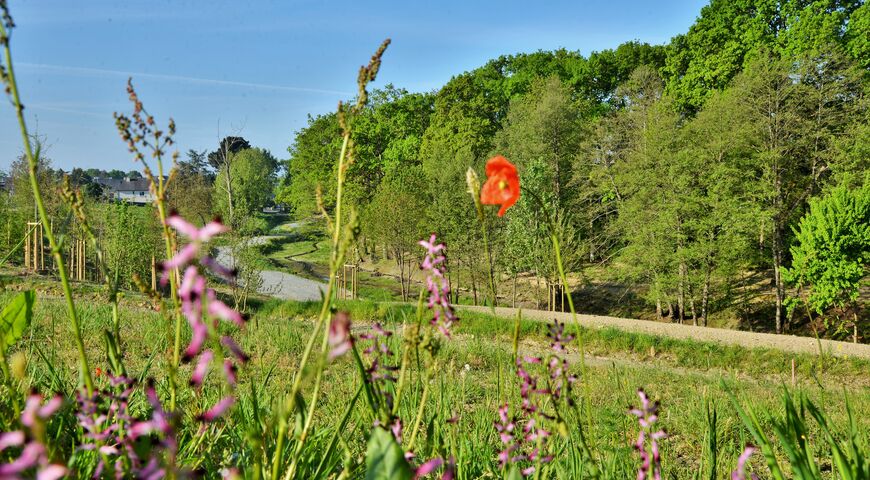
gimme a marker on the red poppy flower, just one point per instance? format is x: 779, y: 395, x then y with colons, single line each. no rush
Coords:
x: 98, y: 371
x: 502, y: 185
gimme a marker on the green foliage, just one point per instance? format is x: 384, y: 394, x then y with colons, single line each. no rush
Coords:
x: 385, y: 459
x: 228, y: 147
x: 728, y: 34
x: 796, y: 441
x: 396, y: 215
x: 858, y: 35
x: 678, y: 168
x: 832, y: 247
x: 387, y: 137
x: 247, y: 186
x: 191, y: 191
x: 544, y: 125
x: 677, y: 373
x: 130, y: 236
x: 311, y: 165
x: 15, y: 318
x: 653, y: 210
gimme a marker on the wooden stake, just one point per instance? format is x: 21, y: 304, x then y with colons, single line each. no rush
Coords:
x: 27, y: 250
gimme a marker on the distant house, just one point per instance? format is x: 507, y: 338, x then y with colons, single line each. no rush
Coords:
x: 135, y: 191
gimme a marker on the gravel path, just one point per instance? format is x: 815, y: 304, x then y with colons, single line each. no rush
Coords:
x: 787, y: 343
x: 278, y: 284
x: 291, y: 287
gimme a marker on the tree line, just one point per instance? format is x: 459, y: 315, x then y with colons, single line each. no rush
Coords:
x: 682, y: 169
x: 235, y: 182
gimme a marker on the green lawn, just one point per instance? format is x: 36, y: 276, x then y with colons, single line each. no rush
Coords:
x: 473, y: 377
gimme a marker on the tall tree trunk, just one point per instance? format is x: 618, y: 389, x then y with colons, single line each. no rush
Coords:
x: 705, y: 296
x: 682, y: 271
x: 659, y: 308
x: 400, y: 261
x: 777, y: 276
x: 681, y: 295
x: 514, y: 301
x: 591, y: 241
x: 473, y: 281
x: 537, y: 290
x: 692, y: 309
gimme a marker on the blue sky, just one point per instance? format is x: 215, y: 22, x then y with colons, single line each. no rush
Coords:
x: 258, y: 68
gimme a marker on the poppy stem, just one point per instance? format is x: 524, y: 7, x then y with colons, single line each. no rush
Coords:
x: 484, y: 228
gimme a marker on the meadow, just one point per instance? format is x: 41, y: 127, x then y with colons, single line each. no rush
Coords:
x: 185, y: 377
x: 693, y: 381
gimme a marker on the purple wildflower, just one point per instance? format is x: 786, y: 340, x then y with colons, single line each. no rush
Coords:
x: 104, y: 416
x: 558, y: 337
x: 161, y: 425
x: 115, y: 434
x: 381, y: 373
x: 340, y: 339
x: 201, y: 369
x: 560, y: 380
x: 523, y: 436
x: 34, y: 455
x: 443, y: 315
x: 545, y: 388
x: 230, y: 371
x: 217, y: 410
x: 430, y: 466
x: 204, y: 310
x: 191, y: 251
x: 160, y: 422
x: 740, y: 472
x: 235, y: 349
x: 506, y: 427
x: 650, y: 459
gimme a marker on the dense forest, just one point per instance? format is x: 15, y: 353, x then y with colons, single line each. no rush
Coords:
x: 728, y: 157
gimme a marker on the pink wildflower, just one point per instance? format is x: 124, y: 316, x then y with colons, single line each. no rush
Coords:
x: 740, y: 472
x: 340, y: 339
x: 650, y: 458
x: 443, y: 314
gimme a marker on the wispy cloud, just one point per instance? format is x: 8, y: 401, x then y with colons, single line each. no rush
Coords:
x: 65, y: 69
x: 52, y: 108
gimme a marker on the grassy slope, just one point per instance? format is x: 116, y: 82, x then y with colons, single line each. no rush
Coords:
x: 684, y: 375
x: 304, y: 251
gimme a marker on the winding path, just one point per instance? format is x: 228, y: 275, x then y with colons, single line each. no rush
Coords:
x: 278, y: 284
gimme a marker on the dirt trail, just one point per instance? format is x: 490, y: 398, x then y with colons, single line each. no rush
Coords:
x: 292, y: 287
x: 787, y: 343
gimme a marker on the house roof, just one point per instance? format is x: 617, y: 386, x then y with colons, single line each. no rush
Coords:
x: 125, y: 184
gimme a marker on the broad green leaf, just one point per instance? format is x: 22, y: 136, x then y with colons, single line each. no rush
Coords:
x: 15, y: 318
x: 385, y: 459
x: 515, y: 473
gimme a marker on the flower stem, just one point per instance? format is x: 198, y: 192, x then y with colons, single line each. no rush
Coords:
x: 420, y: 409
x: 173, y: 287
x: 309, y: 347
x: 554, y: 237
x: 483, y: 227
x: 406, y: 355
x: 84, y: 368
x: 563, y: 278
